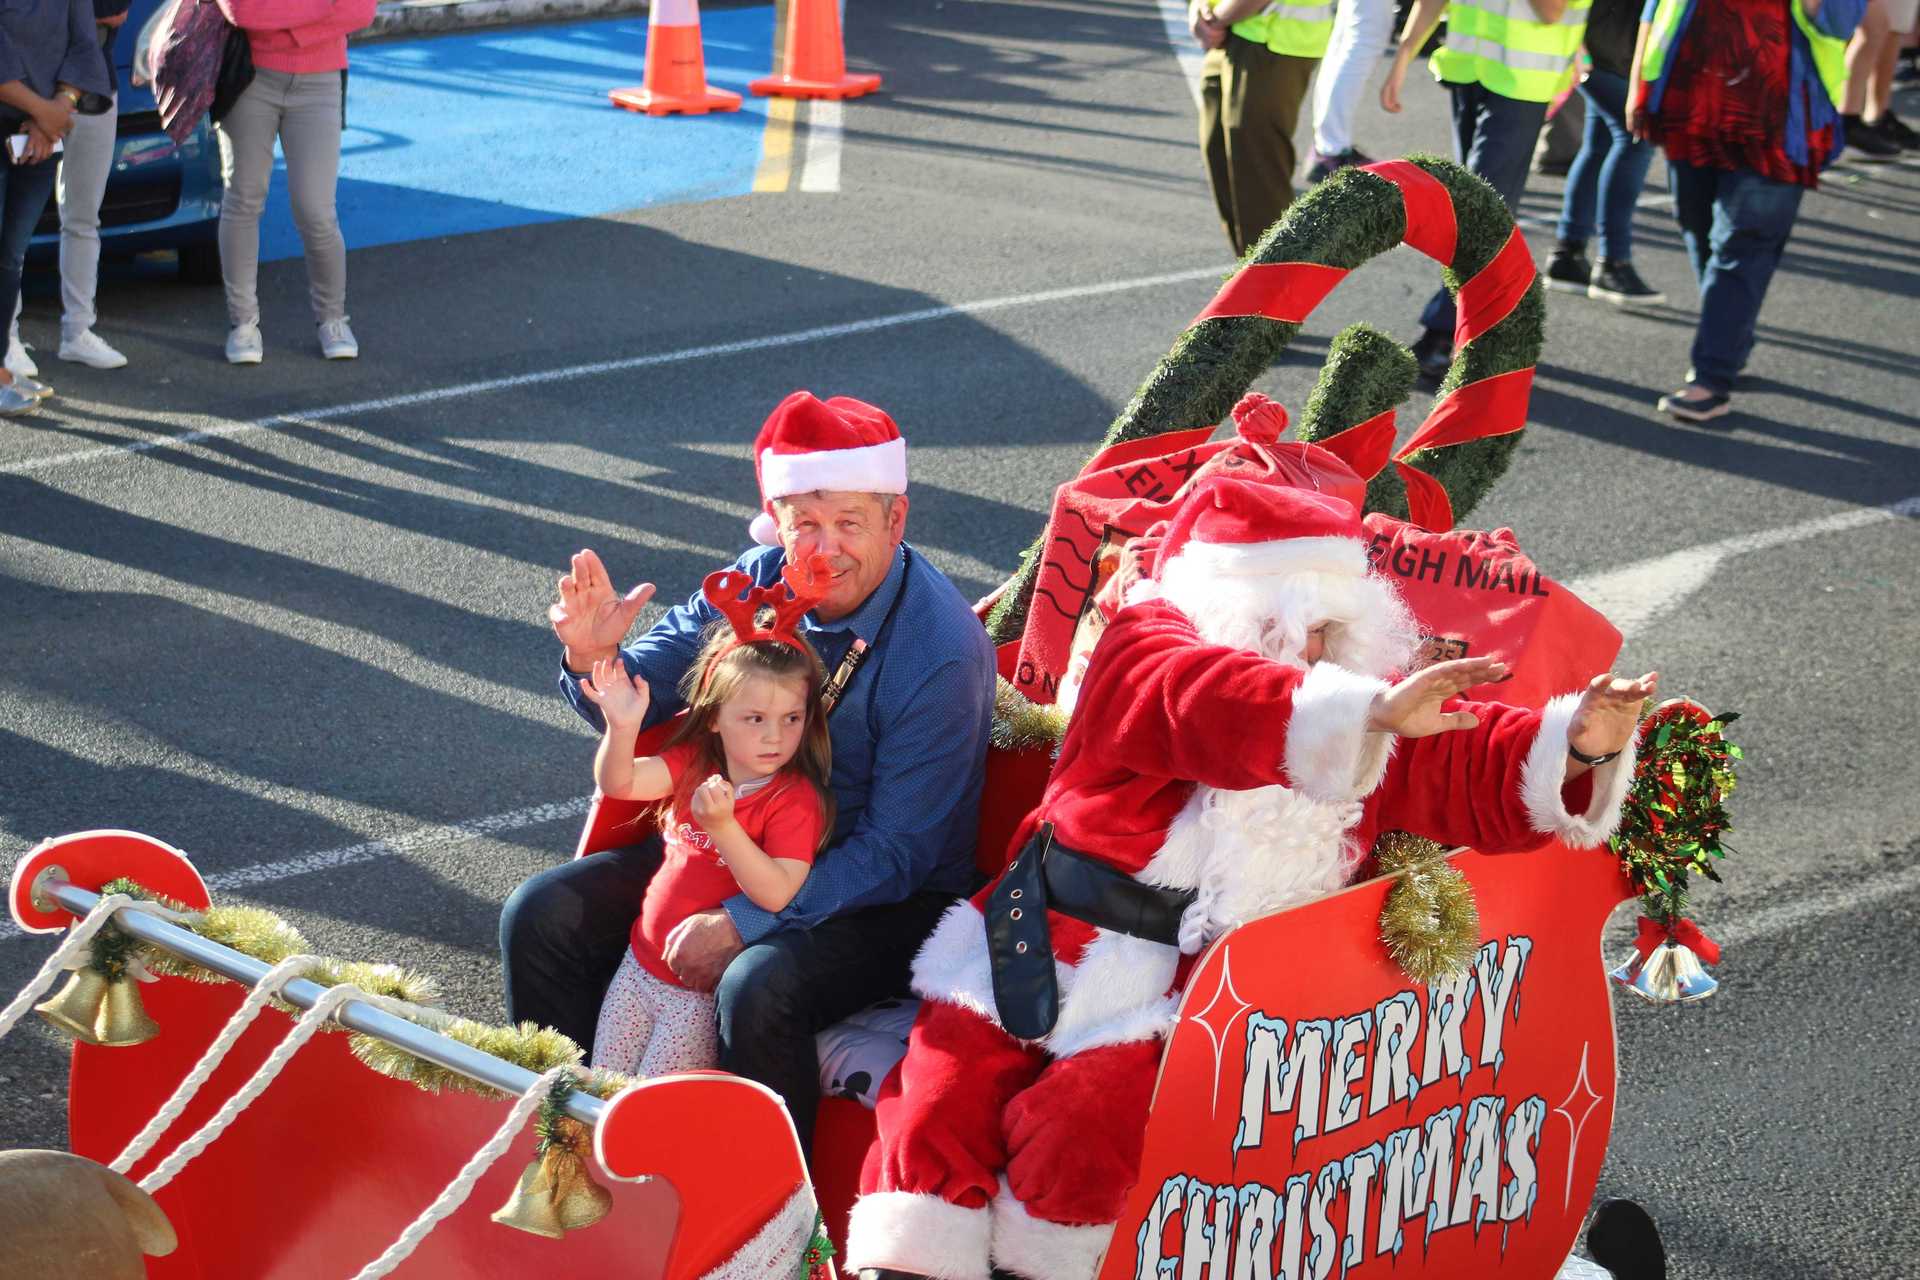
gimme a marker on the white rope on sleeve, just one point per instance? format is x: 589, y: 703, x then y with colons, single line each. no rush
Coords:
x: 269, y: 987
x: 457, y: 1191
x: 310, y: 1022
x: 71, y: 953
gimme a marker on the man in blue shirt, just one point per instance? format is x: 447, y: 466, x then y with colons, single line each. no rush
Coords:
x: 909, y: 749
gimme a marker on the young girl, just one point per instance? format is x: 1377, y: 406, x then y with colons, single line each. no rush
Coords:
x: 744, y: 782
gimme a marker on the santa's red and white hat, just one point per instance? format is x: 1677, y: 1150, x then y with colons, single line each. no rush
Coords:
x: 1245, y: 528
x: 808, y: 444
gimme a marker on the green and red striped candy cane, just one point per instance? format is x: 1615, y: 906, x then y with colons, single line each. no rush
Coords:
x: 1449, y: 463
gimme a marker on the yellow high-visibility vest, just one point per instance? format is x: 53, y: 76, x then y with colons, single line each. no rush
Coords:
x: 1503, y: 45
x: 1297, y: 28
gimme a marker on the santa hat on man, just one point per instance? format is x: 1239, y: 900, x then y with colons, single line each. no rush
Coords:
x: 1254, y: 565
x: 809, y: 444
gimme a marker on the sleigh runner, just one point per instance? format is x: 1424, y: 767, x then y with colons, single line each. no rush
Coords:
x: 1318, y: 1111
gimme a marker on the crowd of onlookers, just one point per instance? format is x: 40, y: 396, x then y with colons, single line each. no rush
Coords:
x: 59, y: 103
x: 1749, y: 100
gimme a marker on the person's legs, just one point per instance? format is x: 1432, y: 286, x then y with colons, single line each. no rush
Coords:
x: 1262, y: 92
x: 783, y: 990
x: 564, y: 931
x: 310, y: 138
x: 1693, y: 190
x: 1623, y: 173
x: 249, y: 130
x: 1463, y: 101
x: 627, y: 1019
x: 935, y: 1165
x: 1074, y: 1140
x: 1753, y: 217
x: 1213, y: 141
x: 1360, y: 31
x: 24, y: 189
x: 82, y: 184
x: 1579, y: 204
x: 684, y: 1036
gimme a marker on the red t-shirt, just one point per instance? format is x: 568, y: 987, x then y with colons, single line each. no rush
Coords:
x: 785, y: 818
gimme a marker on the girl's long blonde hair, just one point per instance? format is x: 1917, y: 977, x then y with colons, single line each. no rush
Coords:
x: 718, y: 673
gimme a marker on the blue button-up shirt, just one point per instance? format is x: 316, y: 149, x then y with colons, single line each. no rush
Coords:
x: 909, y: 736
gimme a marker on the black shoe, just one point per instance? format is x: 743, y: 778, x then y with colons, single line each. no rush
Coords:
x: 1619, y: 283
x: 1895, y: 130
x: 1865, y: 142
x: 1434, y: 351
x: 1702, y: 408
x: 1325, y: 166
x: 1622, y: 1238
x: 1568, y: 270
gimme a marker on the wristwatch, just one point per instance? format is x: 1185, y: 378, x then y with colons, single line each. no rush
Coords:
x: 71, y: 95
x: 1593, y: 762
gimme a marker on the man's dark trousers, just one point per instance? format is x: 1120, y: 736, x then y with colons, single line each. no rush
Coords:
x: 563, y: 932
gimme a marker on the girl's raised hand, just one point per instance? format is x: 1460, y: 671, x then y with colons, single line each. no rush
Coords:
x: 621, y: 698
x: 713, y: 803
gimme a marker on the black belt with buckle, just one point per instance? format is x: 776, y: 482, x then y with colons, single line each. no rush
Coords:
x: 1048, y: 875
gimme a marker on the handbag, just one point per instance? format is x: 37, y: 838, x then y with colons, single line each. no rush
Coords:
x: 236, y: 73
x: 188, y: 50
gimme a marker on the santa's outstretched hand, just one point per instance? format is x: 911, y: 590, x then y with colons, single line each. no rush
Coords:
x: 1412, y: 707
x: 1608, y: 715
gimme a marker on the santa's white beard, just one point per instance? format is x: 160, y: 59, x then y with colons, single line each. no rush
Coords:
x: 1370, y: 631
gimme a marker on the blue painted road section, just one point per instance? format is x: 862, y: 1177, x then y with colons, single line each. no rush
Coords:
x: 505, y: 128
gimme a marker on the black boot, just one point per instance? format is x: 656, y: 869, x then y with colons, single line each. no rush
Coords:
x: 1434, y: 351
x: 1622, y: 1238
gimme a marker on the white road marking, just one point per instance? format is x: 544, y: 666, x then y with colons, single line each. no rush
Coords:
x: 1187, y: 50
x: 598, y: 368
x: 826, y: 119
x: 1634, y: 596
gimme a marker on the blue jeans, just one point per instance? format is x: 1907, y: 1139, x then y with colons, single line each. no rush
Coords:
x: 24, y: 189
x: 1736, y: 225
x: 1607, y: 173
x: 1494, y: 137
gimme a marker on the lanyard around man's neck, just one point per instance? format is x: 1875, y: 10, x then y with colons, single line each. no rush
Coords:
x: 858, y: 651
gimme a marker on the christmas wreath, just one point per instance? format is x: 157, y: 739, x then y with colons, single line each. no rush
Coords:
x: 1443, y: 471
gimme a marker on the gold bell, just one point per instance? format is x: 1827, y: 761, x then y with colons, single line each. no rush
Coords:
x: 1669, y: 974
x: 555, y: 1193
x: 100, y: 1010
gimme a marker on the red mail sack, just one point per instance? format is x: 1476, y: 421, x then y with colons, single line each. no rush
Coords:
x: 1477, y: 594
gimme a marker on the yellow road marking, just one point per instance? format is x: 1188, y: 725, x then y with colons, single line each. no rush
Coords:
x: 776, y: 147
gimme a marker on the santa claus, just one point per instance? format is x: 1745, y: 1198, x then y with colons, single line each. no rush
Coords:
x: 1240, y: 740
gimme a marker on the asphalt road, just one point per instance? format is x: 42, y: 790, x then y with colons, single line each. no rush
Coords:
x: 324, y: 635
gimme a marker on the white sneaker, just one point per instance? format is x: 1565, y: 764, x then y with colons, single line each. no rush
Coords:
x: 90, y: 349
x: 14, y: 401
x: 337, y: 342
x: 19, y: 363
x: 244, y: 345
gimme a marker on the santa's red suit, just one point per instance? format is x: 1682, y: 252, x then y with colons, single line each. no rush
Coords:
x: 1203, y: 756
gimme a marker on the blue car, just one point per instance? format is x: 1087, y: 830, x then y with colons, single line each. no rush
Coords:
x: 160, y: 195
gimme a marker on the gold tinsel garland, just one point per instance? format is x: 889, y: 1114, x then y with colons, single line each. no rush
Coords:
x: 1021, y: 725
x: 259, y: 933
x: 1430, y: 924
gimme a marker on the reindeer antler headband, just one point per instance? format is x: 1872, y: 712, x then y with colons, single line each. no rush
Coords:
x: 800, y: 588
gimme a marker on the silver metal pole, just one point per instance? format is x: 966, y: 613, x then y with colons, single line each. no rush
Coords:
x: 354, y: 1014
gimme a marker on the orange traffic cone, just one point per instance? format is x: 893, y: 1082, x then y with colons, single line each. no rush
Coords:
x: 676, y: 77
x: 815, y: 65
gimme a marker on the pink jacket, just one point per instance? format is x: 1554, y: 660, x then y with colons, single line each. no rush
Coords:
x: 298, y: 35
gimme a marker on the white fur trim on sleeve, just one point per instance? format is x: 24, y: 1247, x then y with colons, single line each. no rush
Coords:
x: 1040, y: 1250
x: 921, y: 1235
x: 1546, y: 773
x: 1330, y: 755
x: 871, y: 468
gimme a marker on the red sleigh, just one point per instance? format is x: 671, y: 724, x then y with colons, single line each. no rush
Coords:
x: 1313, y: 1102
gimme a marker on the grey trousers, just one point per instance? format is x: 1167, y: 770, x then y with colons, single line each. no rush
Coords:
x: 303, y: 112
x: 84, y: 166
